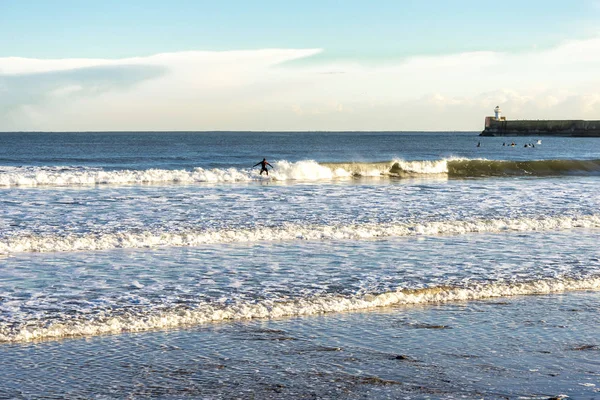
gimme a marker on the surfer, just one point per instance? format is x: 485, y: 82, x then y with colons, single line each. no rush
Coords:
x: 478, y: 144
x: 263, y: 166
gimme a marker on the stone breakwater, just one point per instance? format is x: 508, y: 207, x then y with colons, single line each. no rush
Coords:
x: 570, y: 128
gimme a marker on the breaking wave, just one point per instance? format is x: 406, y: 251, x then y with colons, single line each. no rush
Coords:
x: 286, y: 232
x: 307, y: 170
x: 74, y: 176
x: 472, y: 168
x: 114, y: 322
x: 483, y: 168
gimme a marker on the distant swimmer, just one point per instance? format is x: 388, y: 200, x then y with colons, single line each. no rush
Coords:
x: 478, y: 144
x: 504, y: 144
x: 263, y: 166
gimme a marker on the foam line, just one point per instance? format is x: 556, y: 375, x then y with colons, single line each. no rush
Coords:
x: 287, y: 232
x: 150, y: 320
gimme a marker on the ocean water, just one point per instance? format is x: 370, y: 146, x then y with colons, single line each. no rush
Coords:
x: 365, y: 265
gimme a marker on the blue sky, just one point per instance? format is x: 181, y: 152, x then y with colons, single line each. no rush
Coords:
x: 355, y: 29
x: 370, y: 41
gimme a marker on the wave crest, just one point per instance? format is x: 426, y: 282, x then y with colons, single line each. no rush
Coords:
x: 483, y: 168
x: 307, y: 170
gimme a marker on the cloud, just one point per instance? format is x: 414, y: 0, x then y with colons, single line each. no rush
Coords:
x: 260, y: 90
x: 32, y: 89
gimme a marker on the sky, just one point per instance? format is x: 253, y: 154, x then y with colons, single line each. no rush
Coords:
x: 427, y: 65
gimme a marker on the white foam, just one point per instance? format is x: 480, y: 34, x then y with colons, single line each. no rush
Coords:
x: 424, y: 167
x: 44, y: 176
x: 144, y: 321
x: 306, y: 170
x: 62, y: 176
x: 286, y: 232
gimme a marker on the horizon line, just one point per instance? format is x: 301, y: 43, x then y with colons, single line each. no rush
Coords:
x: 251, y: 131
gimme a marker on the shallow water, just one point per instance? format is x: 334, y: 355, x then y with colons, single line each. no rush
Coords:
x: 66, y: 219
x: 524, y: 347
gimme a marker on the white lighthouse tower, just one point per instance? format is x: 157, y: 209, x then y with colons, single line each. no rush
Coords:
x: 497, y: 113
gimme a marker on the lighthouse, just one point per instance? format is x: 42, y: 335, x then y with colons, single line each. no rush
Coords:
x: 497, y: 113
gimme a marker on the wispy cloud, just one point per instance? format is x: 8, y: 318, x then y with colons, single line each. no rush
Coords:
x: 37, y: 88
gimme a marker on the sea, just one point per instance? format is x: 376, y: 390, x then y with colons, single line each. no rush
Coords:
x: 365, y: 265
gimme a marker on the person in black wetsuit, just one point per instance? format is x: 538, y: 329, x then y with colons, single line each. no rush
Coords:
x: 263, y: 166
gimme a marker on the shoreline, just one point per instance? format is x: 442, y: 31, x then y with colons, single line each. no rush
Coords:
x: 523, y: 347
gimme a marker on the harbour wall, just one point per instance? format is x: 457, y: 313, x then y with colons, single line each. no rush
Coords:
x: 572, y: 128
